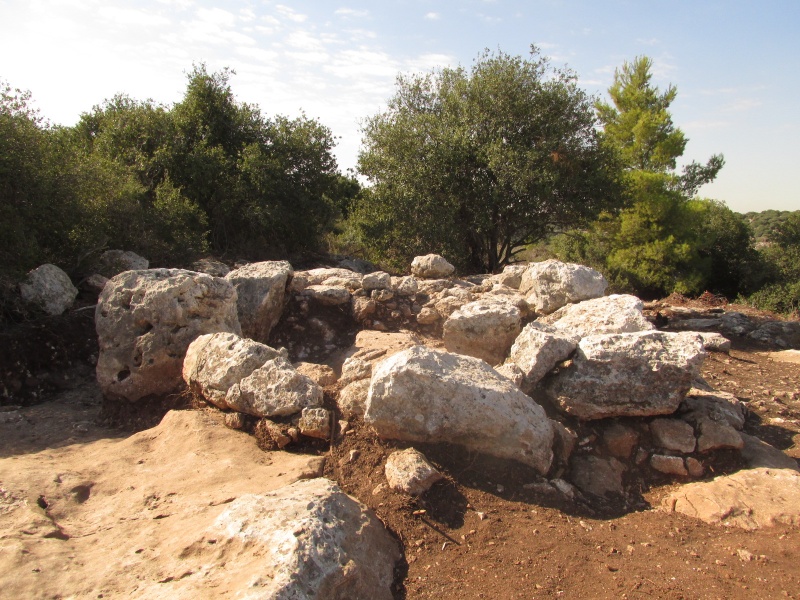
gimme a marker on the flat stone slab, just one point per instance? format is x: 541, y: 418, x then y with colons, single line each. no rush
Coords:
x: 750, y: 499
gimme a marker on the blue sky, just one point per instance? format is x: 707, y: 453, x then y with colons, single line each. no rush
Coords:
x: 736, y: 64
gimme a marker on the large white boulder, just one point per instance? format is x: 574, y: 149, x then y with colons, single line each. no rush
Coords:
x: 431, y: 266
x: 145, y: 322
x: 422, y: 395
x: 275, y: 389
x: 551, y: 284
x: 308, y: 541
x: 628, y: 374
x: 216, y: 361
x: 618, y: 313
x: 485, y: 329
x: 261, y: 290
x: 537, y: 350
x: 326, y: 276
x: 49, y: 288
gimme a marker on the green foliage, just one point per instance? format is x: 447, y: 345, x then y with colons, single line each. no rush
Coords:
x: 476, y: 165
x: 765, y: 222
x: 781, y: 263
x: 663, y: 242
x: 37, y: 204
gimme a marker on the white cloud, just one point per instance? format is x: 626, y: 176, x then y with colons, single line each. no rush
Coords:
x: 130, y: 17
x: 351, y: 13
x: 742, y: 105
x: 432, y: 16
x: 291, y: 14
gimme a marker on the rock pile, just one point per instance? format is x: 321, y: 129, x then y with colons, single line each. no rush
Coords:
x: 539, y: 368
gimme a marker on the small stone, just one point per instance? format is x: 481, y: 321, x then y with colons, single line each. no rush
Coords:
x: 410, y: 472
x: 316, y: 423
x: 694, y: 467
x: 673, y: 434
x: 670, y: 465
x: 714, y: 435
x: 235, y: 420
x: 620, y: 440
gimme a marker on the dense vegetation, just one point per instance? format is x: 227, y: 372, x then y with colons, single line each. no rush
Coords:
x: 475, y: 164
x: 208, y: 174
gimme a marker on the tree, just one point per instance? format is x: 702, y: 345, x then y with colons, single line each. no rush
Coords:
x: 477, y: 164
x: 662, y: 242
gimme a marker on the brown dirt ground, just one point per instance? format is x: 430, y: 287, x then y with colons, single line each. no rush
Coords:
x: 480, y: 533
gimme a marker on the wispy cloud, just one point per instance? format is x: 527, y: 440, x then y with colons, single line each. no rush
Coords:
x: 351, y: 13
x: 291, y: 14
x: 432, y: 16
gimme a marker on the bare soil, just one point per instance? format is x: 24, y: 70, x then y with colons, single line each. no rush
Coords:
x: 481, y: 533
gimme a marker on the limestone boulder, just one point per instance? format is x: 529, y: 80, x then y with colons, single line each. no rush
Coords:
x: 646, y: 373
x: 216, y: 361
x: 326, y: 276
x: 618, y: 313
x: 405, y: 286
x: 309, y: 541
x: 352, y: 400
x: 379, y: 280
x: 673, y: 434
x: 718, y: 406
x: 261, y: 290
x: 211, y: 266
x: 750, y: 499
x: 485, y: 329
x: 431, y: 266
x: 511, y: 276
x: 146, y: 321
x: 410, y: 472
x: 114, y: 262
x: 757, y: 453
x: 423, y: 395
x: 551, y: 284
x: 275, y: 389
x: 328, y: 295
x: 538, y: 349
x: 49, y: 288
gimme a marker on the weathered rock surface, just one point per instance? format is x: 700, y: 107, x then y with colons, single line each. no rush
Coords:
x: 379, y: 280
x: 715, y: 342
x: 628, y: 374
x: 308, y: 540
x: 551, y: 284
x: 618, y: 313
x: 783, y: 334
x: 410, y: 472
x: 750, y: 499
x: 275, y: 389
x: 485, y: 329
x: 428, y: 396
x: 352, y: 399
x: 431, y: 266
x: 669, y: 465
x: 49, y: 288
x: 538, y: 349
x: 114, y: 262
x: 757, y: 453
x: 316, y: 423
x: 261, y: 290
x: 596, y: 475
x: 131, y: 516
x: 715, y: 405
x: 322, y: 374
x: 715, y: 435
x: 620, y: 440
x: 216, y: 361
x: 325, y: 276
x: 147, y: 319
x: 673, y: 434
x: 328, y: 295
x: 211, y: 266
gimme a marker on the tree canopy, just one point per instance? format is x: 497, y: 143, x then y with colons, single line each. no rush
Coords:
x: 476, y: 164
x: 664, y: 241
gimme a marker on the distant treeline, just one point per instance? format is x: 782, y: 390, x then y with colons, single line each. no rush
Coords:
x: 765, y: 223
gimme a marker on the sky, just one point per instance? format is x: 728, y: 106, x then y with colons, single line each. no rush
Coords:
x: 736, y: 64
